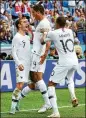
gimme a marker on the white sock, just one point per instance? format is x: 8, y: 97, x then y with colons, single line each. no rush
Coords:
x: 43, y: 89
x: 52, y: 97
x: 72, y: 90
x: 13, y: 104
x: 15, y: 97
x: 71, y: 87
x: 24, y: 92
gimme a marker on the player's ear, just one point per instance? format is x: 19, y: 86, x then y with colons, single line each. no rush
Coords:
x: 56, y: 26
x: 19, y: 25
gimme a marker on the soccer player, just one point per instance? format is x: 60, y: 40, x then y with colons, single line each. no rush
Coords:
x: 39, y: 52
x: 64, y: 42
x: 21, y: 54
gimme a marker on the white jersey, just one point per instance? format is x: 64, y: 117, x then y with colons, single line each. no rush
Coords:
x: 21, y: 49
x: 37, y: 47
x: 64, y: 42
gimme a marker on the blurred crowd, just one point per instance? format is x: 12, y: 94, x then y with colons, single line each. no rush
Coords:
x: 73, y: 11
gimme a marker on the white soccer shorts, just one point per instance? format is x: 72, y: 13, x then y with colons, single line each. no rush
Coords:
x: 61, y: 72
x: 35, y: 64
x: 23, y: 76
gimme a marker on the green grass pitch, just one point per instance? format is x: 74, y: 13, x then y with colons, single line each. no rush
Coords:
x: 30, y: 104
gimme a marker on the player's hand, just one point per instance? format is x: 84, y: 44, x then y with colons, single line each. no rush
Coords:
x: 21, y: 67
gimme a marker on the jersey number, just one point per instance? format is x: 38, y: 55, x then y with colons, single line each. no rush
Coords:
x: 23, y: 44
x: 65, y: 45
x: 34, y: 64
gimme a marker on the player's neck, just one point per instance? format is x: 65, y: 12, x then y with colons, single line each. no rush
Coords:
x: 21, y: 32
x: 41, y: 18
x: 58, y: 27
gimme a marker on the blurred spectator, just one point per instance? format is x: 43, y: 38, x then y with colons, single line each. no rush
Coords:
x: 81, y: 31
x: 76, y: 15
x: 72, y: 5
x: 9, y: 57
x: 85, y: 54
x: 5, y: 32
x: 78, y: 51
x: 19, y: 15
x: 25, y: 8
x: 6, y: 15
x: 3, y: 56
x: 18, y: 4
x: 52, y: 54
x: 2, y: 9
x: 48, y: 4
x: 65, y: 6
x: 69, y: 21
x: 11, y: 10
x: 80, y: 4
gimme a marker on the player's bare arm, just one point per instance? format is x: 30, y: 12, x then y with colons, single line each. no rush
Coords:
x: 43, y: 37
x: 43, y: 57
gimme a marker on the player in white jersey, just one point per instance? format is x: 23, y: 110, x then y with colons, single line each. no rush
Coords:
x: 21, y: 54
x: 64, y: 42
x: 38, y: 56
x: 39, y: 53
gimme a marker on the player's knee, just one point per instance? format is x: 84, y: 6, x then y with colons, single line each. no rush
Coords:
x: 20, y: 85
x: 16, y: 92
x: 51, y: 83
x: 32, y: 86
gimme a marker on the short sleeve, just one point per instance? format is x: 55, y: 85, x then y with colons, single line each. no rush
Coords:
x: 49, y: 36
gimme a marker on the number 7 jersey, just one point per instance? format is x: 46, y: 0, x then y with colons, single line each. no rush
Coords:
x: 21, y: 49
x: 64, y: 42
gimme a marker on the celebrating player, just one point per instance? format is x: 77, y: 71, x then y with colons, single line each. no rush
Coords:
x: 21, y: 54
x: 68, y: 62
x: 38, y: 57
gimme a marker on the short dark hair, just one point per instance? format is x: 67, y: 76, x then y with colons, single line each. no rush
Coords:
x: 39, y: 8
x: 17, y: 23
x: 61, y: 21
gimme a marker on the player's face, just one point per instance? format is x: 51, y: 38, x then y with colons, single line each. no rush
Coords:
x: 24, y: 24
x: 35, y: 14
